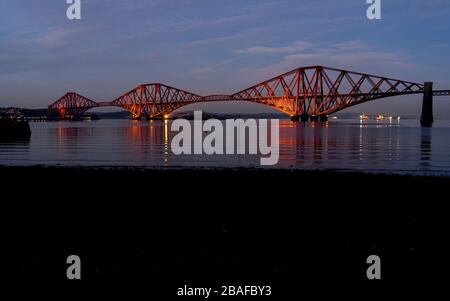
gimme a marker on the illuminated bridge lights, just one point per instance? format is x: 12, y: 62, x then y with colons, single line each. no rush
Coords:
x: 307, y: 91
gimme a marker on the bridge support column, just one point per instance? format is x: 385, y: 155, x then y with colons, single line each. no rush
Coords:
x: 323, y: 118
x: 149, y: 118
x: 137, y: 118
x: 304, y: 118
x: 314, y: 118
x: 295, y: 118
x: 427, y: 106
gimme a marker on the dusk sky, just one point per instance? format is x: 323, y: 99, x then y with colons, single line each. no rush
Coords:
x: 216, y: 46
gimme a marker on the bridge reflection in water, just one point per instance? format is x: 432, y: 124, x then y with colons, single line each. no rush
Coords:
x: 327, y: 145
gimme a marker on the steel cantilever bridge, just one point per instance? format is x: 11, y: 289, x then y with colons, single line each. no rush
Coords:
x: 304, y: 93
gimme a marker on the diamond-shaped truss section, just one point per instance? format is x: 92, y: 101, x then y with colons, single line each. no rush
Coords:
x: 72, y: 106
x: 155, y: 100
x: 321, y: 90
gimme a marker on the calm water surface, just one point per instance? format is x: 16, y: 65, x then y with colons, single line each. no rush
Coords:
x: 350, y: 145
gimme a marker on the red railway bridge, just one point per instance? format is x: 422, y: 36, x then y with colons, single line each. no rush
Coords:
x: 306, y: 93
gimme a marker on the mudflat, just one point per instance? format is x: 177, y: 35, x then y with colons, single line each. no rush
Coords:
x: 169, y: 225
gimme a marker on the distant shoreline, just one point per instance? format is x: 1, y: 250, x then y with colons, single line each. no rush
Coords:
x: 40, y: 114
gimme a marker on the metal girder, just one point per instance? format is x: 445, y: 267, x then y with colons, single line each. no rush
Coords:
x: 154, y: 100
x: 71, y: 106
x: 310, y: 91
x: 441, y: 93
x: 318, y: 90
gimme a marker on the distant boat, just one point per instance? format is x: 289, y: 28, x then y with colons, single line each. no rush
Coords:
x: 380, y: 117
x: 363, y: 117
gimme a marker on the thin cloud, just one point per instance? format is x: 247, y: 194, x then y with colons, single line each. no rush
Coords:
x: 215, y: 40
x: 358, y: 56
x: 351, y: 45
x: 56, y: 38
x: 297, y: 46
x: 442, y: 45
x: 208, y: 69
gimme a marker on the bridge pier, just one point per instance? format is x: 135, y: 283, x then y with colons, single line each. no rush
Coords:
x: 138, y: 118
x: 149, y: 118
x: 304, y: 118
x: 427, y: 106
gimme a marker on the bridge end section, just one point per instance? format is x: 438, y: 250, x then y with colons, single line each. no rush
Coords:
x: 427, y: 106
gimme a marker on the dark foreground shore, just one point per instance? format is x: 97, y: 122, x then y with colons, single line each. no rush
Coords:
x: 242, y: 226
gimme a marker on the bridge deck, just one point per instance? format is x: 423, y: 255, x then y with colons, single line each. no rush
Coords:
x: 441, y: 93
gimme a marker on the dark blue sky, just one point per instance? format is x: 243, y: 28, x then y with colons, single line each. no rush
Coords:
x: 215, y: 46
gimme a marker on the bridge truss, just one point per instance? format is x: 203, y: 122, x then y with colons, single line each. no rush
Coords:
x: 71, y: 106
x: 154, y: 100
x: 316, y: 91
x: 307, y: 91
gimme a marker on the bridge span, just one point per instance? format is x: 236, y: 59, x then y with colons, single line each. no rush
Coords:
x: 306, y: 93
